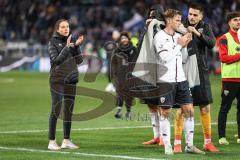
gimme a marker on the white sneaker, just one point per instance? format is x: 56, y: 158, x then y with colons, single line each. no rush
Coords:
x: 110, y: 88
x: 193, y: 149
x: 168, y: 150
x: 67, y: 144
x: 238, y: 140
x: 53, y: 146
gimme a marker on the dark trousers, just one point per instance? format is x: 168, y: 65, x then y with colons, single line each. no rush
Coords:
x: 61, y: 94
x: 230, y: 91
x: 108, y: 68
x: 123, y: 98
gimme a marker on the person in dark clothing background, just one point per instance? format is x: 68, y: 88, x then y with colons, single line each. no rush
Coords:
x: 64, y: 55
x: 125, y: 53
x: 110, y: 48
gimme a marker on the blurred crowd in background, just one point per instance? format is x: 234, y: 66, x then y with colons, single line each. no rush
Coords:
x: 33, y: 21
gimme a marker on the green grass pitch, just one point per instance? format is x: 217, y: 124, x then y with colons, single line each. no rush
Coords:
x: 24, y: 112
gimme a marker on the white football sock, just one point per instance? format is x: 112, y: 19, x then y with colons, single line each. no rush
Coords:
x: 155, y: 124
x: 189, y: 130
x: 177, y: 142
x: 165, y: 130
x: 207, y: 141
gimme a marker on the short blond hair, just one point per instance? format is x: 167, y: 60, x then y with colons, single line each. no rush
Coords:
x: 170, y: 13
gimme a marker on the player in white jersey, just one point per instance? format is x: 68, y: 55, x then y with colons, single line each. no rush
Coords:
x: 169, y: 46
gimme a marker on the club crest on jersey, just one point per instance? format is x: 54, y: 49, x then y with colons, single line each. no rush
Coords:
x: 200, y: 30
x: 162, y: 99
x: 60, y: 44
x: 161, y: 46
x: 225, y: 92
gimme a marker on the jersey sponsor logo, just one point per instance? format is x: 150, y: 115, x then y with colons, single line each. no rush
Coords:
x: 226, y: 92
x: 162, y: 99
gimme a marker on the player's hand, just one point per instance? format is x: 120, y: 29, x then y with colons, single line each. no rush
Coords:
x: 69, y: 44
x: 184, y: 40
x: 79, y: 40
x: 193, y: 30
x: 188, y: 36
x: 148, y: 21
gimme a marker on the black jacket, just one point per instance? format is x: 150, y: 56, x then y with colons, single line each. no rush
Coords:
x: 63, y: 60
x: 200, y: 45
x: 110, y: 47
x: 122, y: 64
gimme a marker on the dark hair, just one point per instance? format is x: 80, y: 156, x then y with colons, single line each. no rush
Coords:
x: 196, y: 6
x: 157, y: 12
x: 56, y: 26
x: 170, y: 13
x: 232, y: 15
x: 126, y: 34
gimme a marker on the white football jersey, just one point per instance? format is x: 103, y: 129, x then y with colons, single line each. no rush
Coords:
x: 170, y: 56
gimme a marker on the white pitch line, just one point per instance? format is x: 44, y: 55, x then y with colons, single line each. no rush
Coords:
x: 78, y: 129
x: 7, y: 80
x: 93, y: 129
x: 77, y: 153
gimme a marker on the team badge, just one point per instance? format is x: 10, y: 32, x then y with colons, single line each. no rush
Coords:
x: 160, y: 46
x: 162, y: 99
x: 225, y: 92
x: 200, y: 30
x: 190, y: 92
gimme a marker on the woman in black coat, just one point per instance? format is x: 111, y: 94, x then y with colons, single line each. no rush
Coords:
x: 64, y: 57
